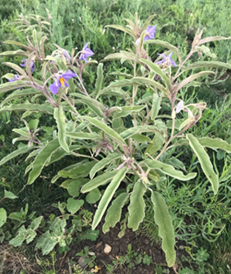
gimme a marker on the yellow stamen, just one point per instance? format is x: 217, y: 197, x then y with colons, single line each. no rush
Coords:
x: 62, y: 81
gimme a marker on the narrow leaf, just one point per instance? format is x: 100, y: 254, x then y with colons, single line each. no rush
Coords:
x: 215, y: 144
x: 3, y: 216
x: 41, y: 159
x: 130, y: 32
x: 14, y: 154
x: 99, y: 80
x: 107, y: 196
x: 205, y: 162
x: 114, y: 212
x: 83, y: 135
x: 212, y: 38
x: 60, y: 120
x: 137, y: 206
x: 101, y: 164
x: 99, y: 180
x: 156, y: 100
x: 168, y: 169
x: 14, y: 85
x: 113, y: 134
x: 166, y: 230
x: 28, y: 107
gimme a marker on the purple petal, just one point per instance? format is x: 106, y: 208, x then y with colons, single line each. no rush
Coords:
x: 54, y: 88
x: 69, y: 74
x: 86, y: 45
x: 23, y: 63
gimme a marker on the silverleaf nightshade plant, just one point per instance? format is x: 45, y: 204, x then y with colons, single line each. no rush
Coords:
x: 123, y: 147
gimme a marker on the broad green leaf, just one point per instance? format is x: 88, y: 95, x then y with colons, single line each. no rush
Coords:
x: 30, y: 107
x: 14, y: 154
x: 168, y: 169
x: 114, y: 212
x: 157, y: 143
x: 31, y: 234
x: 113, y: 134
x: 46, y: 242
x: 74, y: 186
x: 101, y: 164
x: 41, y: 159
x: 3, y: 216
x: 155, y: 68
x: 215, y: 144
x: 9, y: 195
x: 21, y: 132
x: 165, y: 45
x: 204, y: 160
x: 156, y: 100
x: 128, y: 31
x: 14, y: 85
x: 21, y: 236
x: 139, y: 138
x: 123, y: 55
x: 99, y: 180
x: 166, y: 230
x: 128, y: 133
x: 93, y: 196
x: 192, y: 78
x: 74, y: 205
x: 36, y: 222
x: 137, y: 206
x: 99, y: 80
x: 107, y: 196
x: 60, y: 120
x: 83, y: 135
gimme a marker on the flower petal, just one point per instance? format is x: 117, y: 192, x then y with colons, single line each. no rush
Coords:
x: 54, y: 88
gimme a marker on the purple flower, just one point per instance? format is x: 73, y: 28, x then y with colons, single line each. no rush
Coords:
x: 167, y: 59
x: 66, y: 55
x: 85, y: 53
x: 16, y: 77
x: 61, y: 81
x: 32, y: 65
x: 150, y: 33
x: 179, y: 106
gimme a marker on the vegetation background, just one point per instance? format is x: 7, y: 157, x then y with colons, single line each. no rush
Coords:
x: 200, y: 219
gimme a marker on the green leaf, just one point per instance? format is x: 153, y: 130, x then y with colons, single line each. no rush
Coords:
x: 14, y: 85
x: 93, y: 196
x: 166, y: 230
x: 74, y: 186
x: 107, y: 196
x: 30, y: 107
x: 147, y: 22
x: 99, y: 180
x: 9, y: 195
x: 46, y: 242
x: 60, y: 120
x: 74, y: 205
x: 204, y: 160
x: 191, y: 78
x: 128, y: 133
x: 168, y: 169
x: 114, y: 212
x: 83, y: 135
x: 18, y: 52
x: 212, y: 38
x: 157, y: 143
x: 164, y: 44
x: 21, y: 236
x: 215, y: 144
x: 208, y: 64
x: 137, y: 206
x: 155, y: 68
x: 11, y: 42
x: 17, y: 68
x: 113, y: 134
x: 14, y: 154
x: 36, y: 222
x: 156, y: 100
x: 123, y: 55
x: 81, y: 169
x: 99, y: 80
x: 127, y: 110
x: 3, y: 216
x: 128, y: 31
x: 41, y: 159
x: 101, y: 164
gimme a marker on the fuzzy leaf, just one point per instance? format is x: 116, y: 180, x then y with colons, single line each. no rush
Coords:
x: 113, y: 134
x: 208, y: 64
x: 74, y: 205
x: 9, y: 195
x: 204, y: 160
x: 28, y: 107
x: 99, y: 180
x: 41, y: 159
x: 166, y: 230
x: 215, y: 144
x: 101, y: 164
x: 3, y: 216
x: 137, y: 206
x: 93, y: 196
x: 107, y: 196
x: 60, y: 120
x: 168, y: 169
x: 130, y: 32
x: 83, y: 135
x: 99, y: 80
x: 14, y: 154
x: 212, y: 38
x: 155, y: 105
x: 14, y: 85
x: 114, y: 212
